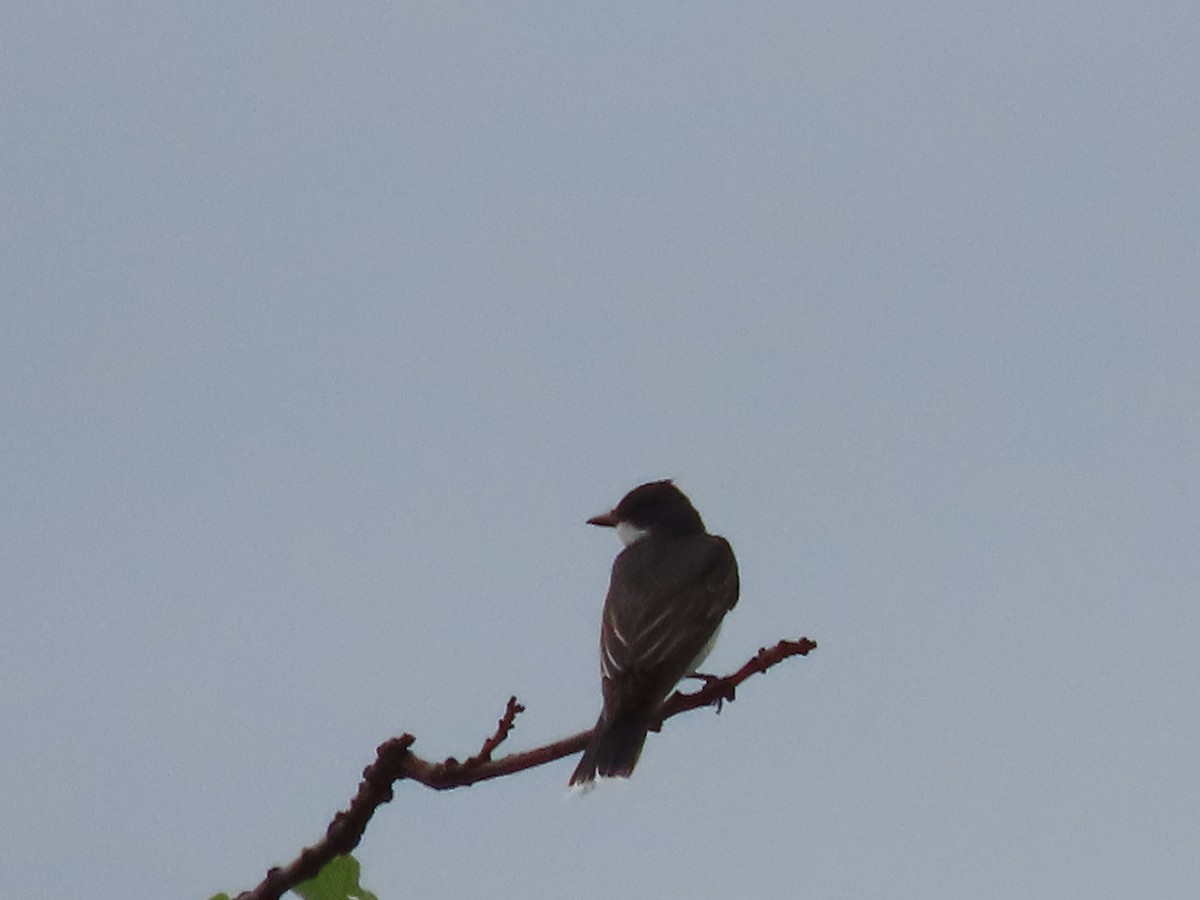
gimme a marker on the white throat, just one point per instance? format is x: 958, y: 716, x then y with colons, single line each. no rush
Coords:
x: 630, y: 534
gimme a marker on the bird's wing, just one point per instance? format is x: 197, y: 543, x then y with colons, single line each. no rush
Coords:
x: 662, y: 608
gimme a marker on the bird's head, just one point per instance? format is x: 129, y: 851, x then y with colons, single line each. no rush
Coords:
x: 657, y: 507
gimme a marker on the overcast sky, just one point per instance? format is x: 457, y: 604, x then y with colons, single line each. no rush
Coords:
x: 325, y: 328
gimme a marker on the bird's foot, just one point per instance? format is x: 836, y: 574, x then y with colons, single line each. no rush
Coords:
x: 724, y: 690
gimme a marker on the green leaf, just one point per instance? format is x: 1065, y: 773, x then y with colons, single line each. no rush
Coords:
x: 337, y: 881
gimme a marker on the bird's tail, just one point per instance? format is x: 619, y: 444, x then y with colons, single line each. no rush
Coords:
x: 613, y: 751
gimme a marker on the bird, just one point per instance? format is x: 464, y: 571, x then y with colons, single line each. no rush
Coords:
x: 670, y: 589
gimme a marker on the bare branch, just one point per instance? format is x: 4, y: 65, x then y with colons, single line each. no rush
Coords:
x: 394, y: 761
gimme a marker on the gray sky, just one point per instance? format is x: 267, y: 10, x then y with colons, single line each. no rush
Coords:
x: 324, y: 330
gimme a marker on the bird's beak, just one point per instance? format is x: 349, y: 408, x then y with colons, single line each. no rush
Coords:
x: 605, y: 520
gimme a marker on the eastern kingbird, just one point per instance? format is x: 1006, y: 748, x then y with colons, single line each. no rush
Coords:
x: 671, y: 587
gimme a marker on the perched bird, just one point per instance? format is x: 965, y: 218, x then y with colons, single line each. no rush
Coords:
x: 670, y: 588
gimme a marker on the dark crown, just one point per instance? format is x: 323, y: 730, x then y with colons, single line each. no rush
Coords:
x: 661, y: 507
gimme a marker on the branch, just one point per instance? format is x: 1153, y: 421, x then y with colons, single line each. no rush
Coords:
x: 394, y: 762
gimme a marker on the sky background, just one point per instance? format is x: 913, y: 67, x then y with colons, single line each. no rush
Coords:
x: 324, y: 329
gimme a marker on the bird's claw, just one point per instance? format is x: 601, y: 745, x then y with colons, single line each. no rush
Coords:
x: 726, y: 691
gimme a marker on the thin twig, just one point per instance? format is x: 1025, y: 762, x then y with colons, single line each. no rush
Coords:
x: 394, y: 761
